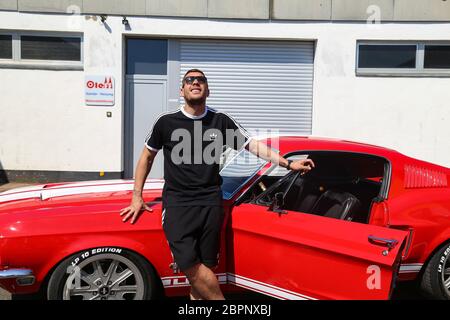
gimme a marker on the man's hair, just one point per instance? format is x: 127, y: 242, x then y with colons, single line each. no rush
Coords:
x: 192, y: 70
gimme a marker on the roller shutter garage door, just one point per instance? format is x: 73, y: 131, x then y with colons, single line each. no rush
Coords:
x: 264, y: 85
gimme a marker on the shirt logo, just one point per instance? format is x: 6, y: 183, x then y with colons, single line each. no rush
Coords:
x: 212, y: 136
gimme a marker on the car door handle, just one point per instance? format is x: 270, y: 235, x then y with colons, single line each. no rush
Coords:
x: 390, y: 243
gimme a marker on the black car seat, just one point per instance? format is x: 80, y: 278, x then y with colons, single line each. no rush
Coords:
x: 336, y: 204
x: 301, y: 196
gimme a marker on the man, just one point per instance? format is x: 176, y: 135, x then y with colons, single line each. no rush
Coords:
x: 192, y: 200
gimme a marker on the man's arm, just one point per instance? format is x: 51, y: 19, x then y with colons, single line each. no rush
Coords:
x: 143, y: 168
x: 262, y: 151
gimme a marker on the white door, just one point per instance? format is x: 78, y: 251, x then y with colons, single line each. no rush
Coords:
x: 146, y: 100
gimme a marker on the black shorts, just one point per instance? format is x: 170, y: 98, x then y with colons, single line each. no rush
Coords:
x: 193, y: 234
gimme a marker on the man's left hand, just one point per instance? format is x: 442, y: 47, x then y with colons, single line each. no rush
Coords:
x: 304, y: 165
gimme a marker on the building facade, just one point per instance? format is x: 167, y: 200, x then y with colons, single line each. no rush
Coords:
x: 81, y: 82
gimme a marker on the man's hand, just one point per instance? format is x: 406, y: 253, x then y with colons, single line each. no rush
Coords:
x: 134, y: 210
x: 304, y: 165
x: 137, y: 202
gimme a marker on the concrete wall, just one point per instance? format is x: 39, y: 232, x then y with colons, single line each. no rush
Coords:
x: 419, y: 10
x: 362, y: 9
x: 8, y: 5
x: 192, y: 8
x: 44, y: 124
x: 337, y: 10
x: 302, y: 9
x: 238, y: 9
x: 135, y: 7
x: 59, y: 6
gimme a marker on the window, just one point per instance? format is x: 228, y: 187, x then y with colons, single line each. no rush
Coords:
x: 237, y: 168
x: 437, y: 57
x: 343, y: 185
x: 387, y: 56
x: 409, y: 58
x: 50, y: 48
x: 5, y: 47
x: 147, y: 56
x: 41, y: 50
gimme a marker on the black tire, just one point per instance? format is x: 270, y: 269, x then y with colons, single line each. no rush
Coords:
x: 432, y: 282
x: 140, y: 274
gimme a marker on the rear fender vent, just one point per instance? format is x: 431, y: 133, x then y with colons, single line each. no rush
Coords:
x: 417, y: 177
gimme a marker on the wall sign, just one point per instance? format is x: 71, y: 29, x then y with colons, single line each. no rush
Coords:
x: 99, y: 90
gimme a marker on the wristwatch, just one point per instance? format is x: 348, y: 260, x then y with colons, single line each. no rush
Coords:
x: 289, y: 165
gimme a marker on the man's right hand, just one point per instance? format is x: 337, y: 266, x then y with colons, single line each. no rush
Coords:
x: 133, y: 211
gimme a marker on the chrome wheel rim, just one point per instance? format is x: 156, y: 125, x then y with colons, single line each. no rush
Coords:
x: 104, y: 277
x: 445, y: 275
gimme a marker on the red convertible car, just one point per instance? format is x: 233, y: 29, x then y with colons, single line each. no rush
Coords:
x: 364, y: 219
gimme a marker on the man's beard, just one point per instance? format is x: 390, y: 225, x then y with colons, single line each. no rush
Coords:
x: 195, y: 101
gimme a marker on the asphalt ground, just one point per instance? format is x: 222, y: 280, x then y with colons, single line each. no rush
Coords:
x: 403, y: 291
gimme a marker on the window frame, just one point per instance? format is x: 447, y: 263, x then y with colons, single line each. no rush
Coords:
x: 18, y: 63
x: 418, y: 71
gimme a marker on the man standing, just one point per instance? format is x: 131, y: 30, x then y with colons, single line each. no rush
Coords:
x: 192, y: 139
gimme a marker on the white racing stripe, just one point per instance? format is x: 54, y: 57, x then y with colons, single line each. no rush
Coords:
x: 78, y: 188
x: 266, y: 288
x: 182, y: 281
x: 20, y: 196
x: 47, y: 194
x: 67, y: 185
x: 246, y: 283
x: 411, y: 268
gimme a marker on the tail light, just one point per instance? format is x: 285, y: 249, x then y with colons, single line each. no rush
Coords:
x: 379, y: 213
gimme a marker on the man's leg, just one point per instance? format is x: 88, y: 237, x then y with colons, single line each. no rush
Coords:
x: 209, y: 246
x: 194, y: 295
x: 204, y: 283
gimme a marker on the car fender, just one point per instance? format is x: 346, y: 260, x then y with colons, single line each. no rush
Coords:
x: 437, y: 242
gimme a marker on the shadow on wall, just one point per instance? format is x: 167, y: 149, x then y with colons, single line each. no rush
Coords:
x: 3, y: 176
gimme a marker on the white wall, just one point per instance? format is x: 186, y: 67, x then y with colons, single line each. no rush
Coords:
x: 411, y: 115
x: 44, y: 124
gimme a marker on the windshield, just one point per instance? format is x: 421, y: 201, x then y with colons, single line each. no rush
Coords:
x: 238, y: 168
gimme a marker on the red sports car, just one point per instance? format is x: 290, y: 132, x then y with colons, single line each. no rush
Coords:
x: 365, y: 218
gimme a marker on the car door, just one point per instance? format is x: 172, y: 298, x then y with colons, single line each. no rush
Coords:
x: 294, y: 255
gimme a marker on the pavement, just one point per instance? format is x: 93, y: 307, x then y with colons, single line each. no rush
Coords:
x: 4, y: 295
x: 12, y: 185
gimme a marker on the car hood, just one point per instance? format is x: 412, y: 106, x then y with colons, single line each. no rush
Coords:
x: 68, y: 207
x: 51, y: 197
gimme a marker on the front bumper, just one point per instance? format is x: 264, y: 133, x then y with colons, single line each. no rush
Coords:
x: 22, y: 277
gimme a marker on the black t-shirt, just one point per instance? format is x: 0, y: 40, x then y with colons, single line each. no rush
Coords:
x: 192, y: 146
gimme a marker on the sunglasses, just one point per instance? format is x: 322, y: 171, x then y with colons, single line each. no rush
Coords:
x: 200, y: 80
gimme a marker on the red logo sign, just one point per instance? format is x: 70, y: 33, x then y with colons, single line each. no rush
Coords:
x: 106, y: 84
